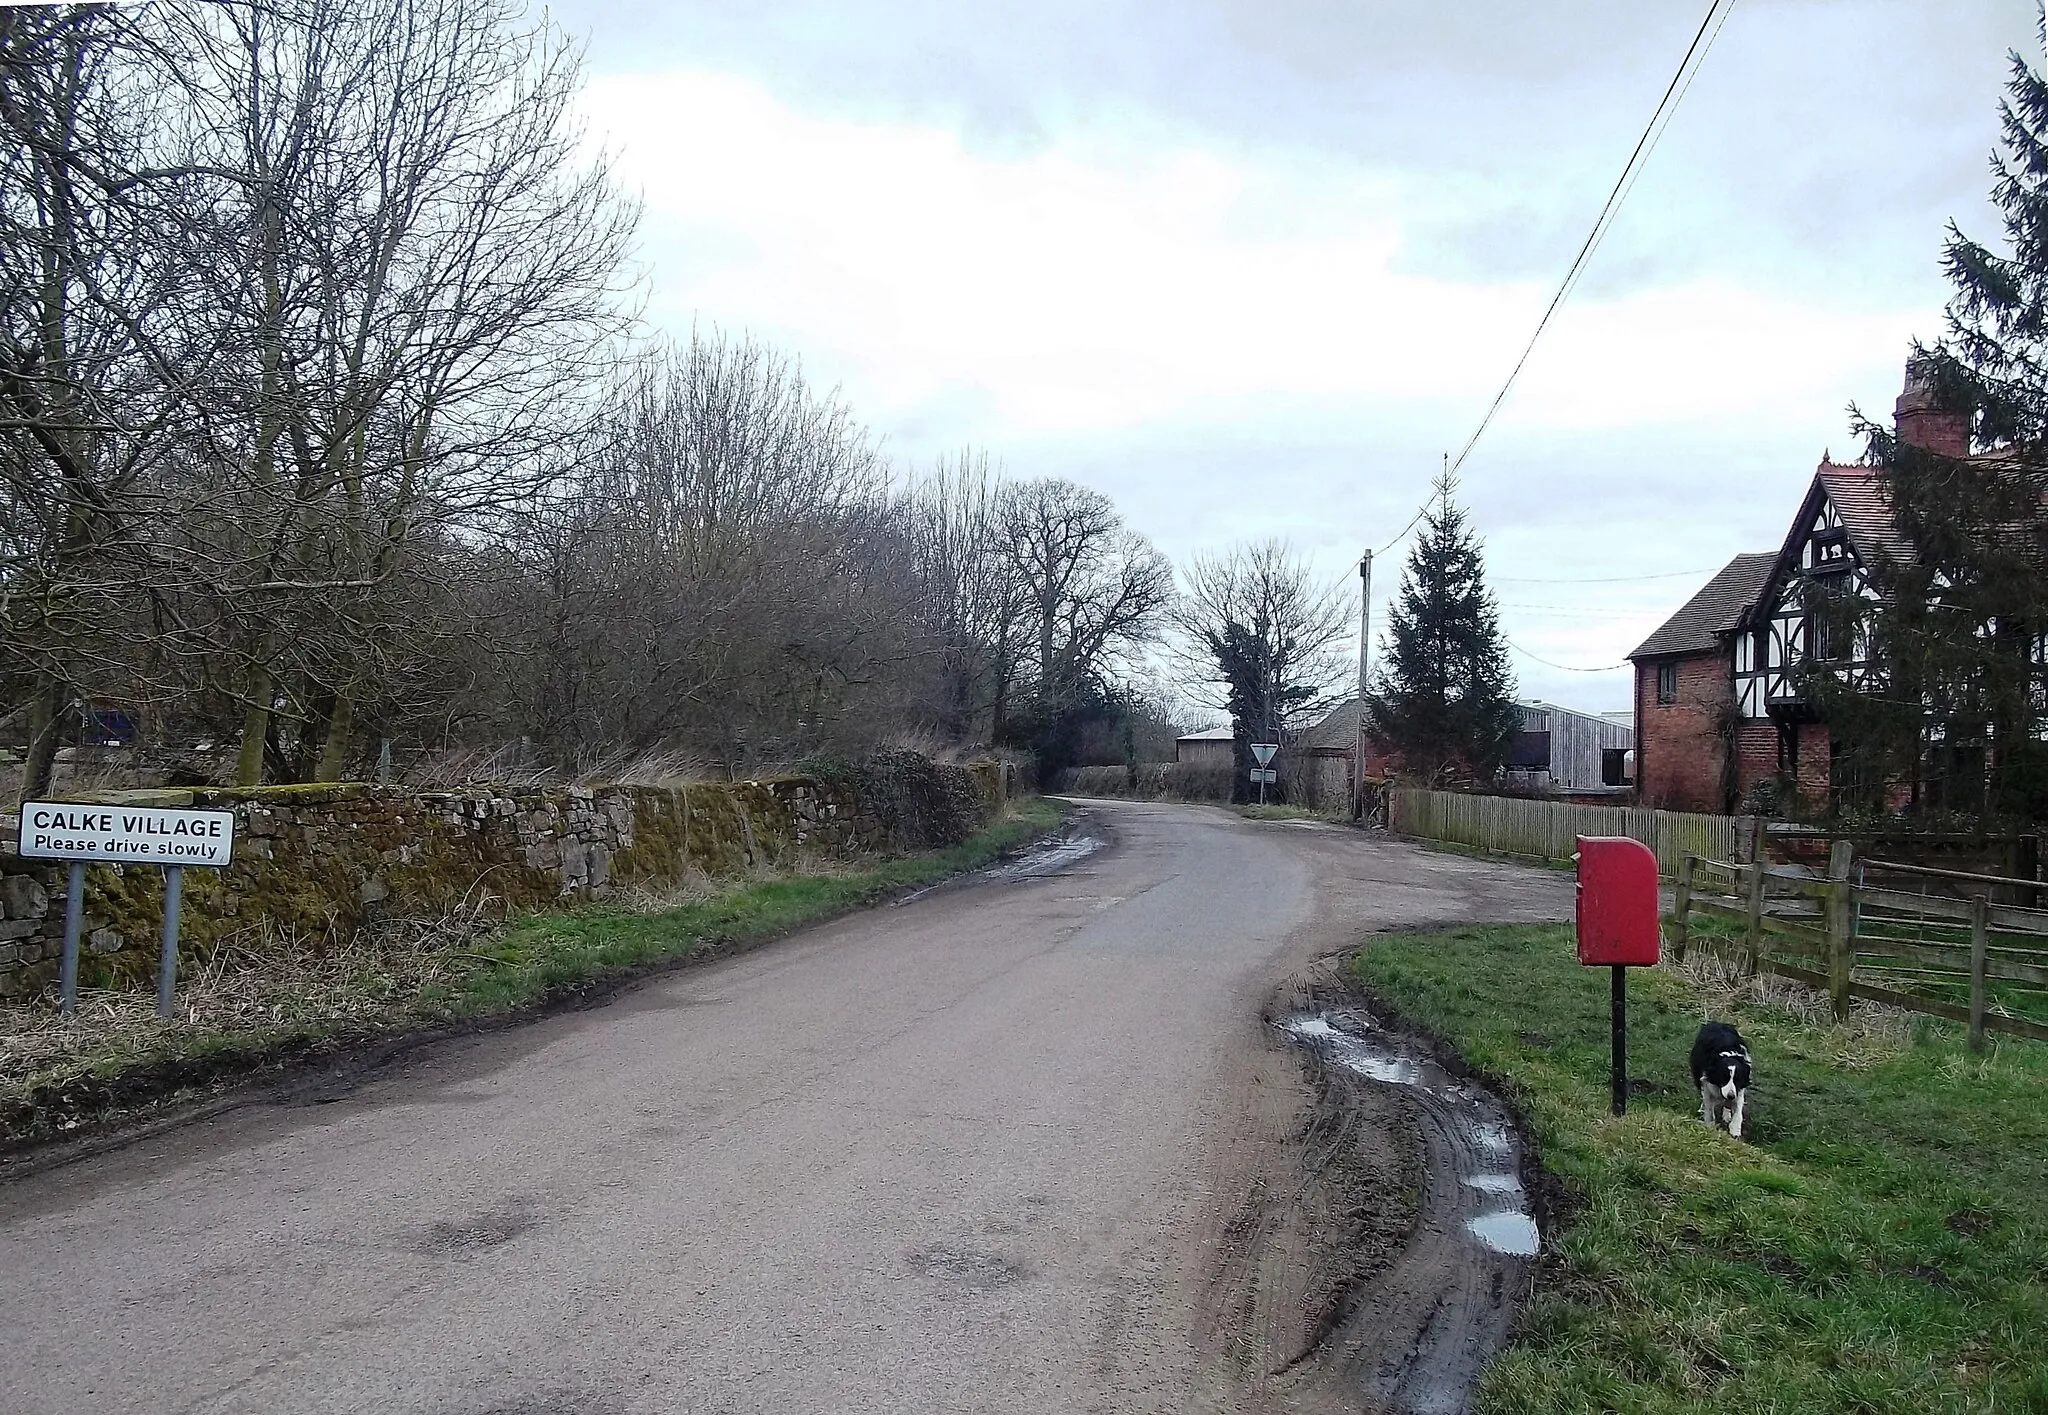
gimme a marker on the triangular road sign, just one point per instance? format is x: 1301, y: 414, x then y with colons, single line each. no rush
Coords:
x: 1264, y: 751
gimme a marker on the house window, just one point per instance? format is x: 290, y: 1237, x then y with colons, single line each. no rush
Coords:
x: 1820, y: 638
x: 1667, y: 683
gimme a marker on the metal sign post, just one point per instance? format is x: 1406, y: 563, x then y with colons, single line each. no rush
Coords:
x: 83, y: 833
x: 1264, y: 751
x: 74, y: 918
x: 1617, y: 1012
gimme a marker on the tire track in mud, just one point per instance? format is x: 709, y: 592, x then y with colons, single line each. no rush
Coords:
x: 1388, y: 1268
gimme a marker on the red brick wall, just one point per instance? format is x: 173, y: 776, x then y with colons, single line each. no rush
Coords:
x: 1814, y: 768
x: 1756, y: 754
x: 1679, y: 751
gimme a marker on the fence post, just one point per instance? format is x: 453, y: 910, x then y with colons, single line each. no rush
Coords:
x: 1681, y: 910
x: 1841, y: 939
x: 1754, y: 935
x: 1980, y: 938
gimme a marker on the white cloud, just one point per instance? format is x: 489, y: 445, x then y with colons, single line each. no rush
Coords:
x: 1236, y: 341
x: 1119, y: 281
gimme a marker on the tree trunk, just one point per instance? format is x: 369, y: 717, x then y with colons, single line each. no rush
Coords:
x: 334, y: 747
x: 255, y: 730
x: 45, y: 731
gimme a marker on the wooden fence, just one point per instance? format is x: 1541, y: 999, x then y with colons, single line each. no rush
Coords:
x: 1929, y: 951
x: 1548, y: 830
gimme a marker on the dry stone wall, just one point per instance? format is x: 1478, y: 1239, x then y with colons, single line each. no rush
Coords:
x: 321, y: 861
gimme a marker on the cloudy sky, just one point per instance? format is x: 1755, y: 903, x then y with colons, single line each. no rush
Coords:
x: 1251, y: 269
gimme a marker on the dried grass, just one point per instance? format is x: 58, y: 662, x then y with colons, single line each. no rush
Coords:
x: 503, y: 765
x: 258, y: 979
x: 1874, y: 1031
x: 507, y: 766
x: 656, y: 768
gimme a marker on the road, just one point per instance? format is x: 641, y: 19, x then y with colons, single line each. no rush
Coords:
x: 979, y: 1152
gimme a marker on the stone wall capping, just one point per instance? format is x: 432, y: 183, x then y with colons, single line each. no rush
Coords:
x: 322, y: 859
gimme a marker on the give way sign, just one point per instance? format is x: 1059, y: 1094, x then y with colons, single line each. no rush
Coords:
x: 1264, y: 751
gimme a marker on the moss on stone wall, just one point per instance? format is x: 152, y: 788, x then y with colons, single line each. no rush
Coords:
x: 320, y: 861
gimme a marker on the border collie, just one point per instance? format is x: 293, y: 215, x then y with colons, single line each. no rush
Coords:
x: 1720, y: 1068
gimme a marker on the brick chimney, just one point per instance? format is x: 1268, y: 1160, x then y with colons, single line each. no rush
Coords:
x: 1920, y: 419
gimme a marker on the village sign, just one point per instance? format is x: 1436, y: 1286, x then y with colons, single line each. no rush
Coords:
x: 124, y: 835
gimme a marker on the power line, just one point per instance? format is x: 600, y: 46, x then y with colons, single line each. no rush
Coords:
x: 1600, y: 232
x: 1565, y: 667
x: 1653, y: 133
x: 1605, y: 579
x: 1680, y: 81
x: 1420, y: 512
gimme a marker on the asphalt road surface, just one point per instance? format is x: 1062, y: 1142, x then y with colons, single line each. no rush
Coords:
x: 979, y: 1152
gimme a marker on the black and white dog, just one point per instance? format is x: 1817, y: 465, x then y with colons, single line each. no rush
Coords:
x: 1720, y: 1068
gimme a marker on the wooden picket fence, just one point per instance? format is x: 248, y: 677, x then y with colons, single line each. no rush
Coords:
x: 1934, y: 952
x: 1549, y: 830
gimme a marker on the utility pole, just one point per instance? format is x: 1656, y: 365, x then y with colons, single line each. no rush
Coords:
x: 1364, y: 650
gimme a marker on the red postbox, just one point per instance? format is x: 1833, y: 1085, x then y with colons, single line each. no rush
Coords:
x: 1617, y: 902
x: 1617, y: 928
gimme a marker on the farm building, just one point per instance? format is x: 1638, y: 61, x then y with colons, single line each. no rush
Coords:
x: 1210, y: 749
x: 1558, y: 749
x: 1563, y: 749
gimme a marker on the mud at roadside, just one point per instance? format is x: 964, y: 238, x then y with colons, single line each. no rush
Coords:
x: 1386, y: 1270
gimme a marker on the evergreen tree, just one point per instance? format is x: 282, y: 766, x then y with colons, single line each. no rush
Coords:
x: 1956, y: 633
x: 1444, y: 697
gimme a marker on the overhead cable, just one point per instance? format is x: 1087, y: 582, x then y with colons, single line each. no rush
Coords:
x: 1564, y: 667
x: 1681, y: 80
x: 1604, y: 579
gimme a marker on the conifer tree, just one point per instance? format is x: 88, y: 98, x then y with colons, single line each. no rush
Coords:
x: 1956, y: 632
x: 1444, y: 698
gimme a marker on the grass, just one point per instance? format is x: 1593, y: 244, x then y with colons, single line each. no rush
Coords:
x: 1478, y: 852
x: 1256, y: 812
x: 266, y: 1007
x: 546, y: 955
x: 1879, y: 1243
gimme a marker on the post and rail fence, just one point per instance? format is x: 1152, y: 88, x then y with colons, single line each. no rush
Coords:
x: 1966, y: 946
x: 1966, y: 959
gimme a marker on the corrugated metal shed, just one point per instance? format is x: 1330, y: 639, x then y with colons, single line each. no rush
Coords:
x: 1576, y: 741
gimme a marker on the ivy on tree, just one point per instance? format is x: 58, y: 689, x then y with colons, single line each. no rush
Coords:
x: 1956, y: 634
x: 1443, y: 700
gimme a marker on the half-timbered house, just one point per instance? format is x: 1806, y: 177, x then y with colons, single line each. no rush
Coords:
x: 1723, y: 697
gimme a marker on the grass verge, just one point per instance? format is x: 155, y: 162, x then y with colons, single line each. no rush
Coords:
x: 243, y: 1017
x: 1475, y: 852
x: 1256, y: 812
x: 1878, y: 1244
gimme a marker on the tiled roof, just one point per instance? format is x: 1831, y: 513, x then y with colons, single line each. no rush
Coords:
x: 1339, y: 729
x: 1858, y: 494
x: 1714, y: 611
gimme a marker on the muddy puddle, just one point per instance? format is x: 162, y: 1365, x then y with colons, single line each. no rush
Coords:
x: 1034, y: 861
x: 1421, y: 1332
x: 1044, y: 858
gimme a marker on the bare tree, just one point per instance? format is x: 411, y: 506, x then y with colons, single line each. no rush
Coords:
x: 1263, y: 639
x: 972, y: 594
x: 1090, y: 588
x: 95, y: 345
x: 725, y: 574
x: 319, y: 422
x: 427, y: 271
